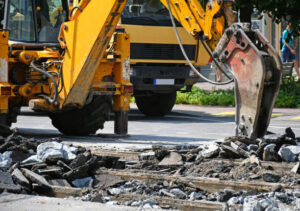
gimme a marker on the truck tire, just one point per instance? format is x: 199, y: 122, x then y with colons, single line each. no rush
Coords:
x: 7, y: 119
x: 84, y: 121
x: 158, y: 104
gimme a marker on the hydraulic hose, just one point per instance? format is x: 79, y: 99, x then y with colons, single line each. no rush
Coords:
x: 188, y: 60
x: 54, y: 99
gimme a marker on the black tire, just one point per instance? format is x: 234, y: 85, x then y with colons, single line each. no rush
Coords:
x: 157, y: 104
x: 7, y: 119
x: 84, y: 121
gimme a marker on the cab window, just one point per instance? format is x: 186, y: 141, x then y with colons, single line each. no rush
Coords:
x: 50, y: 15
x: 20, y: 20
x: 2, y: 6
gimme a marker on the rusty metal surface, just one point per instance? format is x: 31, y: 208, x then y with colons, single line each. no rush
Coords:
x: 256, y: 67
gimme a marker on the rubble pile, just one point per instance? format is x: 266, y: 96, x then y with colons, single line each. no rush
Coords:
x: 272, y: 147
x: 276, y: 148
x: 49, y: 167
x: 278, y: 199
x: 46, y: 166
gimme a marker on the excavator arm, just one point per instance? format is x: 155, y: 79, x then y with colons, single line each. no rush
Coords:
x: 85, y: 39
x: 254, y: 63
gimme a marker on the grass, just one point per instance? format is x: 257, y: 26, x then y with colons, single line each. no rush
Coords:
x: 201, y: 97
x: 288, y: 97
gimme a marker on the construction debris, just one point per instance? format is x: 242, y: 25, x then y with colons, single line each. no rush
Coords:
x: 54, y: 151
x: 239, y: 173
x: 5, y: 159
x: 172, y: 159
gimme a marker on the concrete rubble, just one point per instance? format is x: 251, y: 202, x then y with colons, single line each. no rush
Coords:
x: 48, y: 167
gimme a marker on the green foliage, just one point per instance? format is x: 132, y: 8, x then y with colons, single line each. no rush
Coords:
x: 132, y: 99
x: 201, y: 97
x: 288, y: 97
x: 278, y: 10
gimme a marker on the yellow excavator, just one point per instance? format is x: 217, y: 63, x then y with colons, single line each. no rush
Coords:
x: 74, y: 64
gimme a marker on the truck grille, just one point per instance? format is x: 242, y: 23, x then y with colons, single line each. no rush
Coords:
x: 160, y: 51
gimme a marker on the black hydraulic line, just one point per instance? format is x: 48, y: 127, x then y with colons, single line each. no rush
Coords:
x: 73, y: 9
x: 59, y: 75
x: 54, y: 99
x: 188, y: 60
x: 214, y: 60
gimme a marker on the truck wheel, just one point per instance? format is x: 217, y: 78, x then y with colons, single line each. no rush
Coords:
x: 158, y: 104
x: 84, y: 121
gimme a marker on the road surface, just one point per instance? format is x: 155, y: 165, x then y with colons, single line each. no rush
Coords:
x: 186, y: 124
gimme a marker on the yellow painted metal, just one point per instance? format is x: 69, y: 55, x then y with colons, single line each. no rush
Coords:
x: 3, y: 69
x: 202, y: 56
x: 86, y: 39
x: 26, y: 56
x: 104, y: 70
x: 3, y: 56
x: 164, y: 35
x: 26, y: 90
x: 121, y: 71
x: 212, y: 8
x: 196, y: 21
x: 82, y: 4
x: 117, y: 67
x: 157, y: 35
x: 3, y: 105
x: 182, y: 12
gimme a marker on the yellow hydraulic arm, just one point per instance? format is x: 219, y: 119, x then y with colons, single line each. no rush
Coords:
x: 253, y: 62
x: 209, y: 23
x: 85, y: 39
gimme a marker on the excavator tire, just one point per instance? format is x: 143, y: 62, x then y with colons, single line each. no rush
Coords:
x: 84, y: 121
x: 7, y: 119
x: 158, y: 104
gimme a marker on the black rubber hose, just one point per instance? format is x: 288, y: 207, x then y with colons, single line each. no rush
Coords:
x: 215, y: 61
x: 73, y: 9
x: 186, y: 57
x: 54, y: 99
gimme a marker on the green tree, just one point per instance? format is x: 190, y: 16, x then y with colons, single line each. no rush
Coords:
x: 278, y: 10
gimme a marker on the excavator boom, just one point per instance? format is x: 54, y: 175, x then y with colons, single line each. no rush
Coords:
x: 254, y: 63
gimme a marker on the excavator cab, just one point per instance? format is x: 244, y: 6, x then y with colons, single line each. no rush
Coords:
x: 34, y: 21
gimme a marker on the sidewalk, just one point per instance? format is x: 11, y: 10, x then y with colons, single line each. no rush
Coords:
x: 209, y: 86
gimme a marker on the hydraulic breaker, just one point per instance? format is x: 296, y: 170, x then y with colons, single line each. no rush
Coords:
x: 256, y: 67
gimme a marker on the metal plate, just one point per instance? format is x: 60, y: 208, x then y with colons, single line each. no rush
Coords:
x: 164, y: 82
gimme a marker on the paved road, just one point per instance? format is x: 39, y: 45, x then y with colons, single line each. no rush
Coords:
x: 185, y: 125
x: 21, y: 202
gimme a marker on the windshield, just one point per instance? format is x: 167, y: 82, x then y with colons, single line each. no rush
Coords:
x: 50, y: 16
x: 23, y: 26
x: 146, y: 12
x: 20, y: 20
x: 2, y: 13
